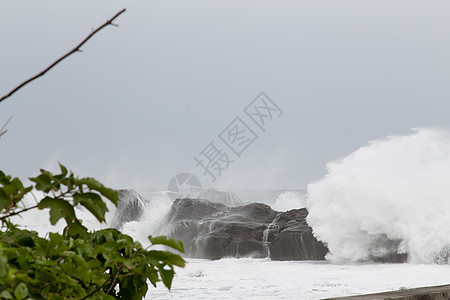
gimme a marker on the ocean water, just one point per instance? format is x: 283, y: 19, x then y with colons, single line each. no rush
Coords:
x: 249, y: 278
x: 265, y: 279
x: 391, y: 195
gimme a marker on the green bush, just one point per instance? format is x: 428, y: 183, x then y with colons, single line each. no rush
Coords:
x: 77, y: 264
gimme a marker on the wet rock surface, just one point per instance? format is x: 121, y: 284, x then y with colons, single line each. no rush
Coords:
x: 228, y: 198
x: 213, y: 231
x: 131, y: 207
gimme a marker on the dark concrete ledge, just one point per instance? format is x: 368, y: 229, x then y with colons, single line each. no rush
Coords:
x: 441, y: 292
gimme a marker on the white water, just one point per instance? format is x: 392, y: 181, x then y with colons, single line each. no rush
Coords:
x: 289, y: 200
x: 153, y: 220
x: 265, y: 279
x: 266, y: 233
x: 394, y: 189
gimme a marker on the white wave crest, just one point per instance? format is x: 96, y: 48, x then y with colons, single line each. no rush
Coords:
x: 391, y: 196
x: 153, y: 219
x: 287, y: 201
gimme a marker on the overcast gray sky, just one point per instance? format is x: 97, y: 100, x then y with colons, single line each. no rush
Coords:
x: 144, y: 98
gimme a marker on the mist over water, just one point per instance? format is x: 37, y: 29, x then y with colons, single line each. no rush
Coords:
x: 391, y: 196
x: 289, y: 200
x: 153, y: 220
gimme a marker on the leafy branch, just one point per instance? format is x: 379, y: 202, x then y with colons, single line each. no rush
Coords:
x: 78, y: 263
x: 76, y: 49
x: 104, y: 264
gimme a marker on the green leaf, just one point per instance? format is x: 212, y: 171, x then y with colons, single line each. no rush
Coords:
x: 93, y: 264
x: 43, y: 182
x: 93, y: 184
x: 163, y: 240
x: 59, y: 208
x: 5, y: 201
x: 94, y: 203
x: 63, y: 169
x: 56, y: 245
x: 21, y: 291
x: 152, y: 275
x: 129, y: 263
x: 176, y: 260
x: 3, y: 178
x: 25, y: 239
x: 13, y: 187
x: 6, y: 295
x: 167, y: 276
x: 3, y: 266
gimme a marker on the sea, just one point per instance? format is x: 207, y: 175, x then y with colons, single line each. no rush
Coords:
x: 249, y: 278
x: 391, y: 194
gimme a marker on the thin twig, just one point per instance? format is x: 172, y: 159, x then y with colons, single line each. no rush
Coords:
x: 76, y: 49
x: 35, y: 198
x: 103, y: 285
x: 18, y: 212
x: 3, y: 130
x: 113, y: 277
x: 114, y: 282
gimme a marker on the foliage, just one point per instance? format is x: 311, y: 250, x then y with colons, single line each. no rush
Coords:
x: 76, y: 264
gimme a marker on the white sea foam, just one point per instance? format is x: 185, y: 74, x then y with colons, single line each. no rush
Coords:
x: 248, y: 278
x: 288, y: 200
x: 391, y: 195
x: 153, y: 219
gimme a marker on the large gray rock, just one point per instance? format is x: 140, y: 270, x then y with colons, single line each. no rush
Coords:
x: 228, y: 198
x: 131, y: 207
x: 213, y: 231
x: 292, y: 238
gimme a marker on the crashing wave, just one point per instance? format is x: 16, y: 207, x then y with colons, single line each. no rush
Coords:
x: 389, y: 199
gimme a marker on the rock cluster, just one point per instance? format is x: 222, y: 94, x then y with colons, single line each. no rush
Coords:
x: 213, y: 231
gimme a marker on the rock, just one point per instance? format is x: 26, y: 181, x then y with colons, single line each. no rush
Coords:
x: 294, y: 240
x: 213, y: 231
x: 226, y: 198
x: 439, y: 292
x: 131, y: 206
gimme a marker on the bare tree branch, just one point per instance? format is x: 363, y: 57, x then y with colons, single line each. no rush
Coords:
x: 76, y: 49
x: 4, y: 130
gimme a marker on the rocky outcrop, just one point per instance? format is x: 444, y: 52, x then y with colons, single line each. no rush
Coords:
x: 130, y: 208
x: 228, y: 198
x: 293, y: 238
x: 213, y: 231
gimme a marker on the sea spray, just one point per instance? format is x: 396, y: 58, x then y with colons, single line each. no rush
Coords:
x: 289, y: 200
x: 153, y: 219
x: 389, y: 197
